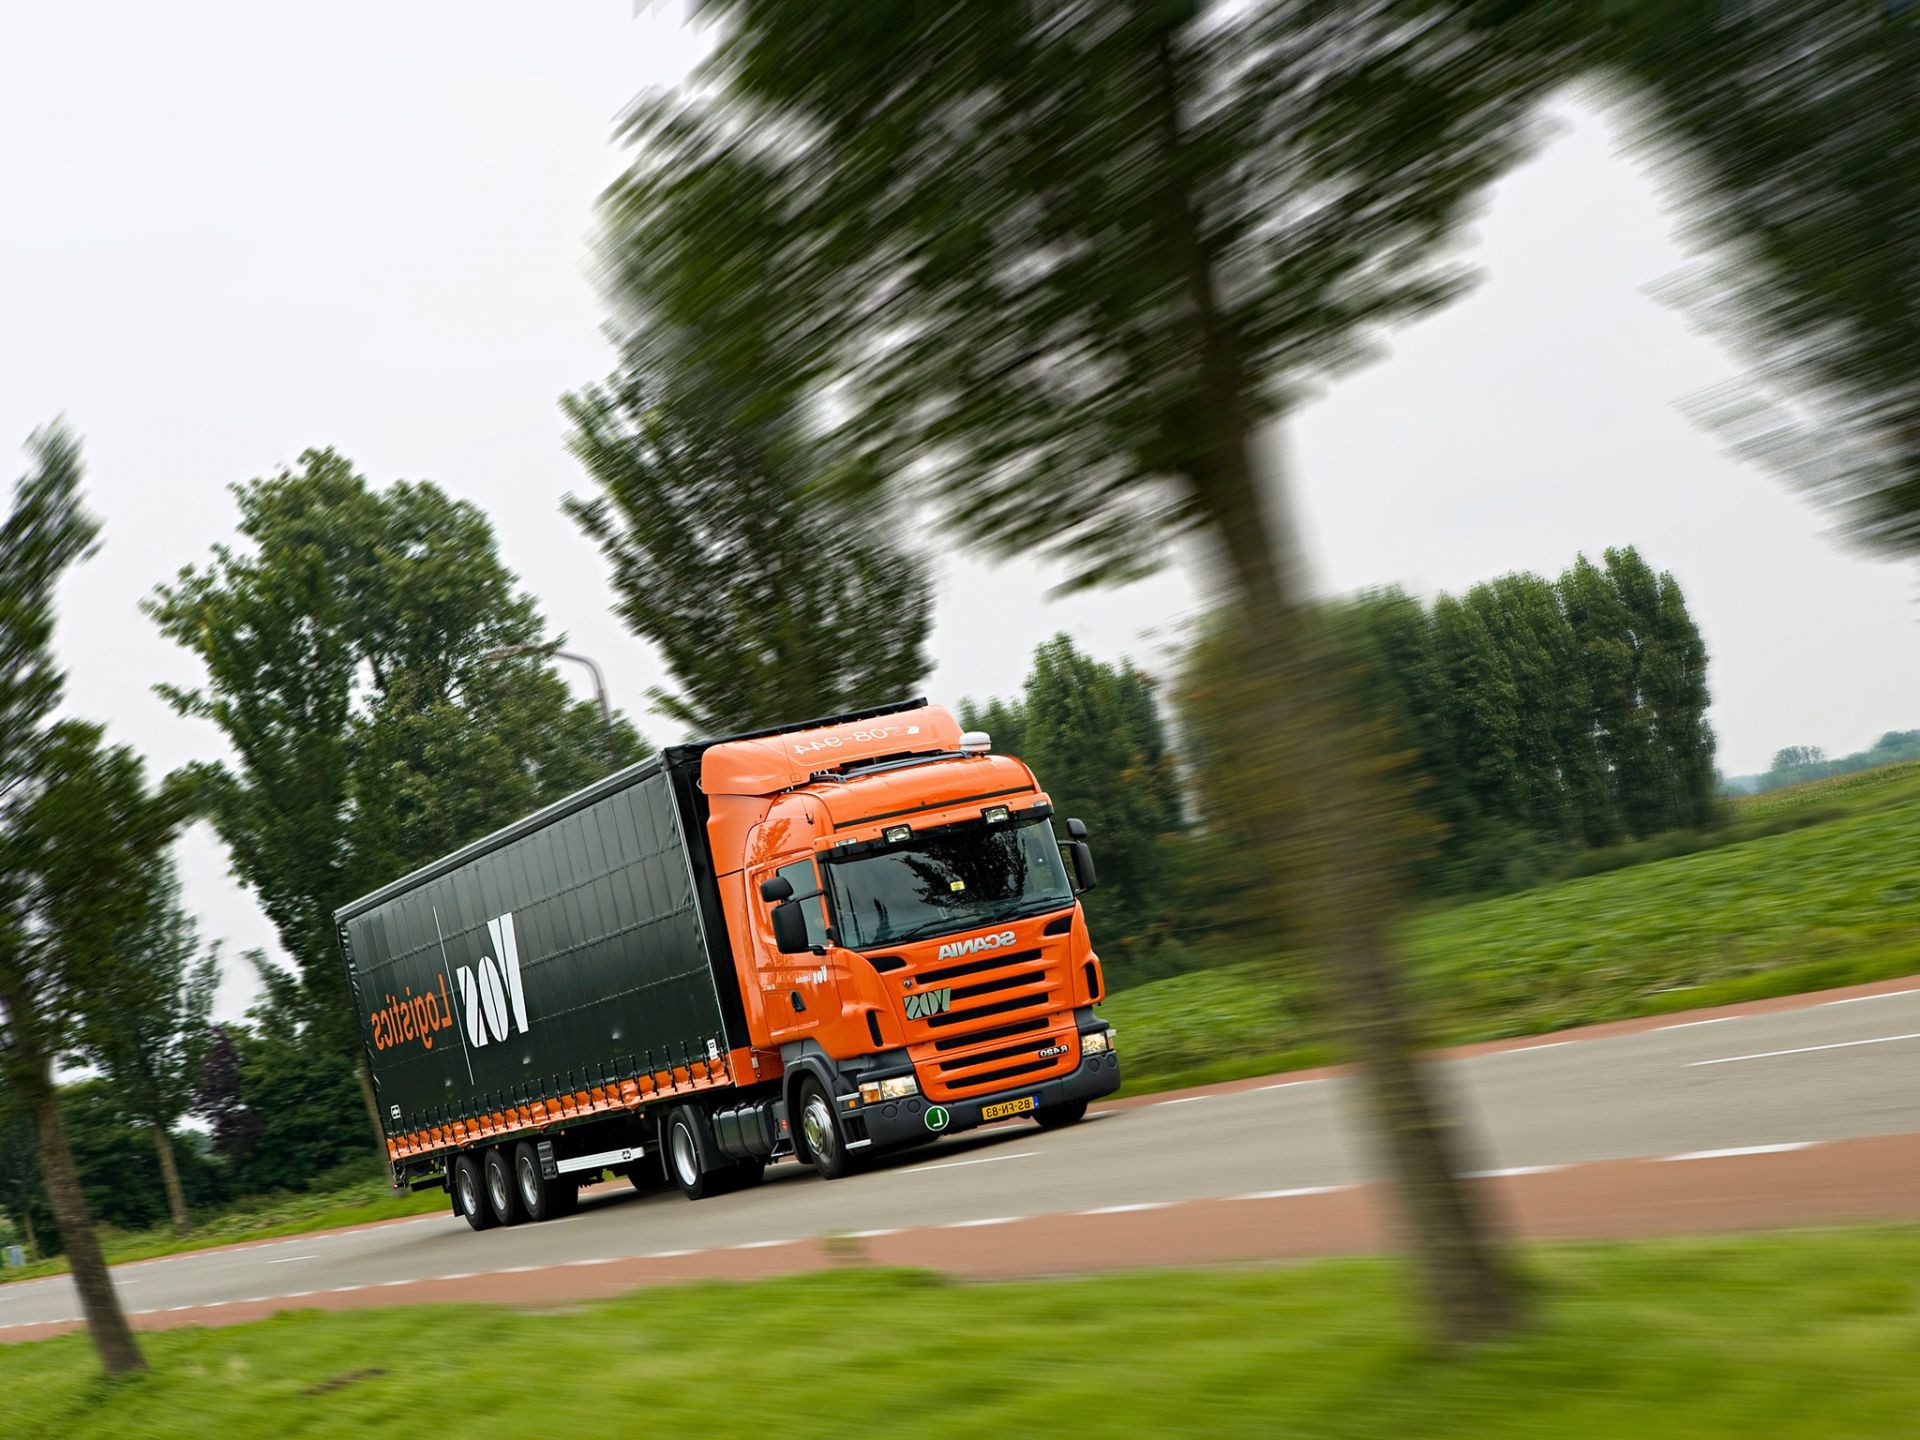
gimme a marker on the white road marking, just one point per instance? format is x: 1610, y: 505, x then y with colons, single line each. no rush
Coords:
x: 1862, y: 999
x: 1529, y: 1049
x: 983, y: 1160
x: 656, y: 1255
x: 345, y: 1289
x: 759, y: 1244
x: 1690, y: 1024
x: 977, y: 1224
x: 1741, y: 1150
x: 1513, y: 1170
x: 283, y: 1260
x: 873, y: 1234
x: 1808, y: 1049
x: 1298, y: 1190
x: 1289, y: 1084
x: 1131, y: 1209
x: 1184, y: 1099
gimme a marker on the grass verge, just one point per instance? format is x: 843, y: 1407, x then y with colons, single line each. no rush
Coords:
x: 265, y: 1217
x: 1806, y: 1334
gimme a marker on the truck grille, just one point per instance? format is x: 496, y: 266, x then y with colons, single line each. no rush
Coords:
x: 1003, y: 1010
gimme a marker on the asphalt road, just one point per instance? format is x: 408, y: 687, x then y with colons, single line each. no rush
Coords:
x: 1755, y: 1082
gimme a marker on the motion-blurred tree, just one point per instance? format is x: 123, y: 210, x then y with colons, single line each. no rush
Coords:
x: 346, y: 648
x: 147, y: 1025
x: 81, y: 835
x: 1063, y: 263
x: 1793, y: 148
x: 731, y: 553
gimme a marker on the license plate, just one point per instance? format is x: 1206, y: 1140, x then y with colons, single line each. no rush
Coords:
x: 1006, y: 1108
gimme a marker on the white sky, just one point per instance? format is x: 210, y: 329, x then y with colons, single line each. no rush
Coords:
x: 231, y: 231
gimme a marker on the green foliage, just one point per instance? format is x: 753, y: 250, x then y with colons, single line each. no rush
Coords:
x: 1062, y: 262
x: 1093, y: 734
x: 345, y: 642
x: 770, y: 599
x: 1804, y: 1334
x: 1794, y: 157
x: 118, y: 1168
x: 147, y: 1021
x: 1534, y: 718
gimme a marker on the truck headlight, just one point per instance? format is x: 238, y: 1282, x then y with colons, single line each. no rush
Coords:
x: 898, y: 1088
x: 1096, y: 1042
x: 894, y: 834
x: 996, y: 814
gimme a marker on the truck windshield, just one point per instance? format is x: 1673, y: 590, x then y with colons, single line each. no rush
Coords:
x: 949, y: 880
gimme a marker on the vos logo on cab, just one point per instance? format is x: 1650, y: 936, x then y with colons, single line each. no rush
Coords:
x: 953, y: 949
x: 925, y: 1003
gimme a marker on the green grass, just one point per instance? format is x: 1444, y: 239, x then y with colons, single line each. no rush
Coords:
x: 1833, y: 901
x: 1805, y: 1335
x: 263, y: 1217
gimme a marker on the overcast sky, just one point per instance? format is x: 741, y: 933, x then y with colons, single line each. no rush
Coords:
x: 232, y: 231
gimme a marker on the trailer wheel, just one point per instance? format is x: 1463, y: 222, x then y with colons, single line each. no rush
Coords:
x: 1055, y: 1117
x: 470, y: 1193
x: 503, y: 1195
x: 819, y: 1139
x: 539, y: 1196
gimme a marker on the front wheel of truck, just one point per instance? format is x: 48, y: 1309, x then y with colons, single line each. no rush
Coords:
x: 820, y: 1140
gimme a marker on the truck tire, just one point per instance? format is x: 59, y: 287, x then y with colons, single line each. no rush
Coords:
x: 818, y: 1136
x: 503, y: 1195
x: 469, y: 1188
x: 540, y: 1198
x: 1056, y: 1117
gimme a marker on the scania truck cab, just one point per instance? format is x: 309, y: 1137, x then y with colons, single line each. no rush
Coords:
x: 907, y: 931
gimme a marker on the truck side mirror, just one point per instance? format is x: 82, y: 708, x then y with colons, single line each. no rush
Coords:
x: 776, y: 888
x: 1082, y: 858
x: 790, y: 927
x: 1077, y: 829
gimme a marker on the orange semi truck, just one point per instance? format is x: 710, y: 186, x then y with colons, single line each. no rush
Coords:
x: 820, y: 941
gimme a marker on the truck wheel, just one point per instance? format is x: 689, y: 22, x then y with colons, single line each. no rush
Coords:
x: 470, y: 1193
x: 1067, y: 1112
x: 539, y: 1196
x: 503, y: 1195
x: 819, y: 1137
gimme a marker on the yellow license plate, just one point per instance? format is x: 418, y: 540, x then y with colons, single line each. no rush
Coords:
x: 1006, y: 1108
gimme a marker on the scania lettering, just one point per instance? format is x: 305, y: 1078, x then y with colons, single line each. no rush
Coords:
x: 817, y: 942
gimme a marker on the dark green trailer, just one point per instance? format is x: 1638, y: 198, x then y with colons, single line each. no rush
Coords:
x: 548, y: 979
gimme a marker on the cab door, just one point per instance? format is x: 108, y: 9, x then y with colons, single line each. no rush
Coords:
x: 799, y: 993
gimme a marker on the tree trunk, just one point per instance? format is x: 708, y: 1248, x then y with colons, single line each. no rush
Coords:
x: 170, y: 1180
x: 26, y: 1229
x: 106, y: 1323
x: 1316, y: 796
x: 1331, y: 818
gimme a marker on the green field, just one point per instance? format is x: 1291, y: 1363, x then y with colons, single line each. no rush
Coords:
x: 261, y: 1218
x: 1810, y: 1334
x: 1825, y: 892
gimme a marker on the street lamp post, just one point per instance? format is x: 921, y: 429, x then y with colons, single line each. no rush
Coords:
x: 514, y: 652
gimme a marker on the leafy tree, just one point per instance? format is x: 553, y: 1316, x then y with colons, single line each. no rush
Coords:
x: 147, y: 1026
x: 770, y: 599
x: 21, y: 1200
x: 1094, y: 735
x: 346, y: 644
x: 1063, y: 263
x: 218, y: 1099
x: 1793, y: 152
x: 80, y: 831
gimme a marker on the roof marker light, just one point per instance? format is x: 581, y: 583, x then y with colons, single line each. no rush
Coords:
x: 975, y: 742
